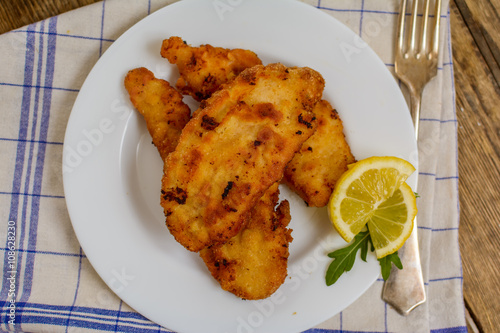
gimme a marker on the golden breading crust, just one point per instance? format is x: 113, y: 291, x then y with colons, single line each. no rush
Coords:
x: 234, y: 149
x: 253, y: 264
x: 204, y: 69
x: 160, y: 105
x: 322, y: 159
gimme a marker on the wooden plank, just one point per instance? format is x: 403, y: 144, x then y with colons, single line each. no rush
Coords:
x: 17, y: 13
x: 478, y: 113
x: 482, y: 19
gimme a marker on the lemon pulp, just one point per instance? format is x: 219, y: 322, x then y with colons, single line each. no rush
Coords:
x: 373, y: 192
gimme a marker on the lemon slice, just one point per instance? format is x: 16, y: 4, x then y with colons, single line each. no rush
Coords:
x: 373, y: 191
x: 392, y: 222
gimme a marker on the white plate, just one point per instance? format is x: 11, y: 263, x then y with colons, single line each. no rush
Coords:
x: 112, y: 171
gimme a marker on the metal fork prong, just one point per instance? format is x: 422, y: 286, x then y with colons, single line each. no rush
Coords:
x: 425, y: 21
x: 401, y: 27
x: 413, y: 31
x: 435, y: 38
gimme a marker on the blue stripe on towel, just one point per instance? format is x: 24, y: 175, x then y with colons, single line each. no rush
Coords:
x: 40, y: 156
x: 23, y: 133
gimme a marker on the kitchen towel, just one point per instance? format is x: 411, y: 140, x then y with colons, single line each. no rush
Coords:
x: 47, y: 282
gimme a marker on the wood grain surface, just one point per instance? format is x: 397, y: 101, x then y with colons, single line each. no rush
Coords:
x: 476, y: 57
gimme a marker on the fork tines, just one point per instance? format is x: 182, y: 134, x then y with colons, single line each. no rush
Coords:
x: 412, y: 49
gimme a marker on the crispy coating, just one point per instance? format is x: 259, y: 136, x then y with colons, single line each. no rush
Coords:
x: 205, y: 68
x: 234, y: 149
x: 322, y: 159
x: 253, y: 264
x: 160, y: 105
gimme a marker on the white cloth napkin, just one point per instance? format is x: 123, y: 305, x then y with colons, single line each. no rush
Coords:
x: 48, y: 284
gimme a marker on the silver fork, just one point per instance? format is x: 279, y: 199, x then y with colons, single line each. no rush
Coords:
x: 415, y: 64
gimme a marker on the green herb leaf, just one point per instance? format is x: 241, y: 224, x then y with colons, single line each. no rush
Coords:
x: 386, y: 264
x: 364, y: 250
x: 344, y: 258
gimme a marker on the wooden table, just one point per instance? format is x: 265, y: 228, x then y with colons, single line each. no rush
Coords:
x: 476, y: 57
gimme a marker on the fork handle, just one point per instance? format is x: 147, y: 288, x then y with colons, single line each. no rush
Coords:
x: 404, y: 289
x: 415, y: 100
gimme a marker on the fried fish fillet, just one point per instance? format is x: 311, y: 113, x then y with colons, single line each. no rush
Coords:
x: 234, y: 149
x: 205, y: 68
x: 160, y: 105
x: 253, y: 264
x: 322, y: 159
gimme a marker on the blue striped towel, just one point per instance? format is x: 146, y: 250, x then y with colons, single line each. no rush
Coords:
x: 47, y: 282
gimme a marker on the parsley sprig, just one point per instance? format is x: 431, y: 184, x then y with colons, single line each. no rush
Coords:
x: 344, y: 258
